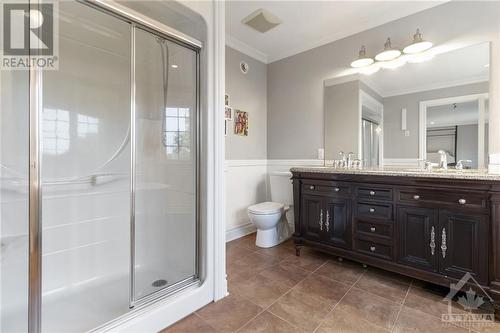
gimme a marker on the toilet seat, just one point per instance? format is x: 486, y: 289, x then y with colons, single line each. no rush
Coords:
x: 266, y: 208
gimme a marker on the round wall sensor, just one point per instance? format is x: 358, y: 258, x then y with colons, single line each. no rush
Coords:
x: 244, y: 67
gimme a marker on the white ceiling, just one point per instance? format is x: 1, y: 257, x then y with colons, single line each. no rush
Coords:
x: 309, y: 24
x: 466, y: 113
x: 457, y: 67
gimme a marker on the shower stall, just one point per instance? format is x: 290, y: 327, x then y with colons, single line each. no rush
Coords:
x: 99, y: 173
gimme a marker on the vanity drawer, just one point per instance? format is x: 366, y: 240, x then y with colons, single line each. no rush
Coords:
x: 373, y: 249
x: 374, y: 193
x: 448, y: 198
x: 325, y: 187
x: 374, y: 211
x: 374, y: 229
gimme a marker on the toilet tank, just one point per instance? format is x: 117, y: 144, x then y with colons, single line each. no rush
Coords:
x: 281, y: 187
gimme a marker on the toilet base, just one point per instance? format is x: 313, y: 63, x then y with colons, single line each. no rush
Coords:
x: 272, y: 237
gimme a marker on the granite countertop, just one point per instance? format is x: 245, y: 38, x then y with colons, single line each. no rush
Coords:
x: 468, y: 174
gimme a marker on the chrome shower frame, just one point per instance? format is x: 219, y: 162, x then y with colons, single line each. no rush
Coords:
x: 138, y: 306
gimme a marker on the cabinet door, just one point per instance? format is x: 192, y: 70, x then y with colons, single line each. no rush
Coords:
x: 418, y: 237
x: 312, y: 217
x: 338, y: 222
x: 463, y: 245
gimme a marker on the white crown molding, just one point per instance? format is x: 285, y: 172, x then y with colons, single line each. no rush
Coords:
x: 250, y: 51
x: 435, y: 86
x: 342, y: 79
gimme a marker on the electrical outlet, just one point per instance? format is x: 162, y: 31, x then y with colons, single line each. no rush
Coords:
x: 407, y: 133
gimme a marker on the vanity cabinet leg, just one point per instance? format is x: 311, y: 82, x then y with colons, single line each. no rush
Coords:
x: 297, y: 250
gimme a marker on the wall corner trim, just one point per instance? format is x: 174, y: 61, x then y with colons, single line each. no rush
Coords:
x: 250, y: 51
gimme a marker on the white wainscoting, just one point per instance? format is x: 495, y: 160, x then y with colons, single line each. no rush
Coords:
x: 247, y: 183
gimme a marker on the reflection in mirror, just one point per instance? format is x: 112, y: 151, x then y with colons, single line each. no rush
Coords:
x: 435, y: 110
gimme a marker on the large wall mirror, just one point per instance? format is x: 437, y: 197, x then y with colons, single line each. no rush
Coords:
x: 421, y: 109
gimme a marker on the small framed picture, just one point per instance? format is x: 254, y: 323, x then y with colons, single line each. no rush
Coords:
x: 226, y: 100
x: 240, y: 123
x: 228, y: 113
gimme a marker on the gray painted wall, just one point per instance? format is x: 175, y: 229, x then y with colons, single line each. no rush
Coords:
x: 247, y: 93
x: 341, y: 119
x: 407, y: 147
x: 295, y: 84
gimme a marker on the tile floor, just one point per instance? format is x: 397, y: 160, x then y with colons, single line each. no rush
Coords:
x: 272, y: 290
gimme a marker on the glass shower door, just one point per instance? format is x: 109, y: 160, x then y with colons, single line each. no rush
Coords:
x: 85, y: 152
x: 165, y: 165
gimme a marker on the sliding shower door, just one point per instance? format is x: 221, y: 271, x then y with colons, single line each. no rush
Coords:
x: 165, y: 167
x: 85, y: 158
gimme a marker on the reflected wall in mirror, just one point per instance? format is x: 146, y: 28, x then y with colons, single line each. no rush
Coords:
x: 402, y: 116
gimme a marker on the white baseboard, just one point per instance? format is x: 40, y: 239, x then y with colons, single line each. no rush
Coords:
x: 239, y: 232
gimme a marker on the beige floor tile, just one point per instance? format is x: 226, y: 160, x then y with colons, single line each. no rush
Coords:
x: 234, y: 253
x: 323, y: 288
x: 411, y: 320
x: 246, y: 242
x: 375, y: 309
x: 284, y: 273
x: 229, y: 314
x: 342, y: 321
x: 279, y: 251
x: 251, y: 265
x: 383, y: 286
x: 268, y: 323
x: 390, y: 275
x: 425, y: 301
x: 260, y: 290
x: 190, y: 324
x: 346, y: 271
x: 301, y: 310
x: 308, y: 260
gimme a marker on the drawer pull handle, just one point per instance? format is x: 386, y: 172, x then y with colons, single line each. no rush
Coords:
x: 372, y: 229
x: 432, y: 245
x: 372, y: 248
x: 321, y: 220
x: 443, y: 243
x: 311, y: 187
x: 337, y: 189
x: 327, y: 223
x: 372, y: 210
x: 372, y: 193
x: 462, y: 201
x: 416, y: 197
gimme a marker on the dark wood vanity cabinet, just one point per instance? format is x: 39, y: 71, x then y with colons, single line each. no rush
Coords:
x: 327, y: 219
x: 431, y: 229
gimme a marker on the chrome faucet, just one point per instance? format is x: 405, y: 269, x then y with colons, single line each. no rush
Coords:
x: 443, y: 161
x: 460, y: 164
x: 343, y: 159
x: 350, y: 159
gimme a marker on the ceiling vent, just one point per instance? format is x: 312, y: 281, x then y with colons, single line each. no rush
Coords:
x: 261, y: 20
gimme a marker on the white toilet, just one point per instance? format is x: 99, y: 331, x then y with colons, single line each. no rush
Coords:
x: 270, y: 217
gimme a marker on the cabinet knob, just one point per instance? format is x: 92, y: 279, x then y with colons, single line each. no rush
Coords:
x: 372, y: 229
x: 372, y: 248
x: 337, y: 189
x: 462, y: 201
x: 416, y: 197
x: 372, y: 193
x: 311, y: 187
x: 372, y: 210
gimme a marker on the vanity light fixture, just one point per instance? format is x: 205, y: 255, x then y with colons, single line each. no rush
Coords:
x: 418, y: 44
x: 389, y: 53
x: 362, y: 60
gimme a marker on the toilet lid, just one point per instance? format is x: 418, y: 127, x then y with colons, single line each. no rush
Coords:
x: 266, y: 208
